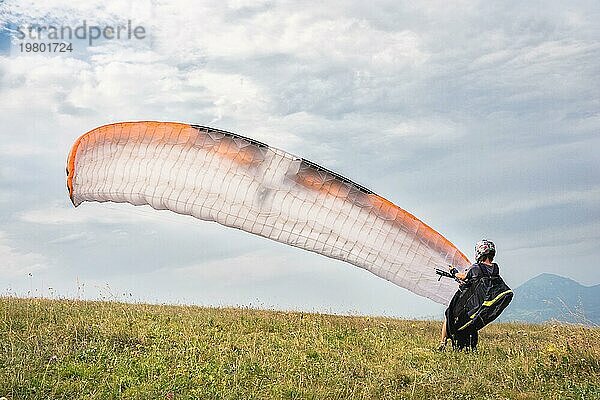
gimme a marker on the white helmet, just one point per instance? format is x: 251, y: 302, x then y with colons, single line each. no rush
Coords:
x: 483, y: 248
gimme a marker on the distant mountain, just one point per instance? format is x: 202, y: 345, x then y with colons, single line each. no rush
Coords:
x: 549, y: 296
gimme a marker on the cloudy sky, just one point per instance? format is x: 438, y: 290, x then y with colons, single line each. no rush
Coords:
x: 482, y: 119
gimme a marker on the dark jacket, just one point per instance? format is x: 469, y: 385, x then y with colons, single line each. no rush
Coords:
x: 477, y: 270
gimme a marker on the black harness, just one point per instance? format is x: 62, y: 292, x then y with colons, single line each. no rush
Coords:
x: 477, y: 303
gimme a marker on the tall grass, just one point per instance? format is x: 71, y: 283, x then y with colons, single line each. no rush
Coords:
x: 53, y: 349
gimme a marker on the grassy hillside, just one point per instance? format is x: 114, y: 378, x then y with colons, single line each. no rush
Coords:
x: 102, y: 350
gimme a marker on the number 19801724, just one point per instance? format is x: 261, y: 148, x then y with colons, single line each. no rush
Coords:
x: 46, y: 47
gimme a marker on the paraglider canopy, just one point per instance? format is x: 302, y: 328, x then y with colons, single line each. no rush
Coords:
x: 214, y: 175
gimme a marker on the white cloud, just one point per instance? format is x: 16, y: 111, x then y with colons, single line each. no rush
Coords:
x: 73, y: 12
x: 86, y: 237
x: 567, y: 242
x: 245, y: 268
x: 16, y: 263
x: 22, y: 150
x: 230, y: 94
x: 573, y: 197
x: 506, y: 204
x: 106, y: 214
x: 8, y: 196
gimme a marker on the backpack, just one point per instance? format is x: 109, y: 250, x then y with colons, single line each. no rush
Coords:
x: 475, y: 305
